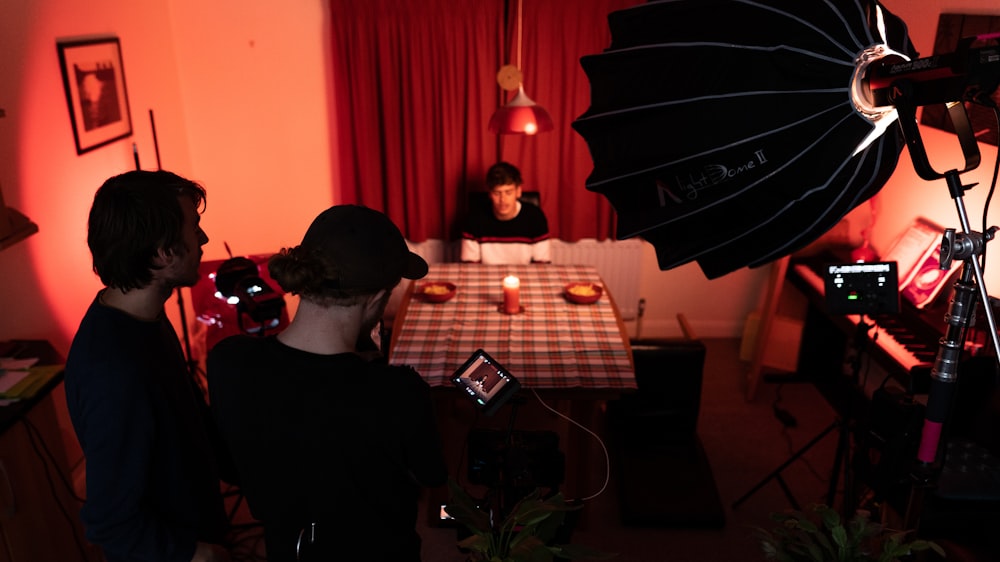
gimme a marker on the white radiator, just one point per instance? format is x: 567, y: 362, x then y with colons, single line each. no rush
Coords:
x: 617, y: 261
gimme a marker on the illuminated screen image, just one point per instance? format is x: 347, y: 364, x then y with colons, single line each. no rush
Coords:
x: 485, y: 381
x: 862, y: 288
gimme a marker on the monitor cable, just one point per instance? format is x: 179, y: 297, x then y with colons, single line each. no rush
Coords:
x: 607, y: 457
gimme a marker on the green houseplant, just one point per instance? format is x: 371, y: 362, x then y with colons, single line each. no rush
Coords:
x: 821, y: 535
x: 524, y: 535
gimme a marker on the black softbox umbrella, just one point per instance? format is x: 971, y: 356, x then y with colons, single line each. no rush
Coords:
x: 724, y: 131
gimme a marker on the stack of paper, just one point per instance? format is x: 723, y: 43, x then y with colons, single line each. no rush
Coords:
x: 20, y: 378
x: 916, y: 254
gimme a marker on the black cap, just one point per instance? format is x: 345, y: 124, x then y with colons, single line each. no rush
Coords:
x: 364, y: 246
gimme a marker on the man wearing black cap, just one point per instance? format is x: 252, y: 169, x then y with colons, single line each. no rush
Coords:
x: 331, y: 449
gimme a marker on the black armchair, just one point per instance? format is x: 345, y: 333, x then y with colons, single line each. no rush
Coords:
x: 663, y: 412
x: 664, y: 477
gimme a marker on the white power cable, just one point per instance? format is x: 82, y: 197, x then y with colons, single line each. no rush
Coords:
x: 607, y: 458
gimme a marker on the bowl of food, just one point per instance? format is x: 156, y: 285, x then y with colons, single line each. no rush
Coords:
x: 437, y: 291
x: 583, y: 293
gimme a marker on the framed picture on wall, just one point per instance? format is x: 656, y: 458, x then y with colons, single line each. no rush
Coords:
x: 95, y: 91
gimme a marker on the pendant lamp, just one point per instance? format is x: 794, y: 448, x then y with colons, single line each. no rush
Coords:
x: 520, y: 115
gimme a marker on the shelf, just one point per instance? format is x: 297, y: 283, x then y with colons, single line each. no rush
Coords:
x: 14, y: 227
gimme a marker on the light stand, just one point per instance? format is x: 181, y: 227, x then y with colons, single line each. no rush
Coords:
x: 968, y: 246
x: 862, y: 289
x: 501, y: 488
x: 842, y: 457
x: 186, y: 338
x: 511, y: 464
x: 192, y: 364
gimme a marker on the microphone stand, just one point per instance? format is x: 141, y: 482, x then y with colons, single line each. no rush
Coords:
x: 968, y: 246
x: 192, y: 364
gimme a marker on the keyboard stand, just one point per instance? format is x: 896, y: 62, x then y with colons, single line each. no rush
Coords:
x: 841, y: 461
x: 843, y: 424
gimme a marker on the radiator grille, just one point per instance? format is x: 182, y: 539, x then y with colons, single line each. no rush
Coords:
x: 617, y: 261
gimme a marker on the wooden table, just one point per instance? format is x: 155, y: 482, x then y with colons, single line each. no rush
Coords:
x: 553, y: 344
x: 38, y: 519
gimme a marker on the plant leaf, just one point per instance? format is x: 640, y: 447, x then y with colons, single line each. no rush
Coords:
x: 547, y: 528
x: 523, y: 535
x: 839, y: 535
x: 808, y: 526
x: 829, y: 516
x: 477, y: 543
x: 530, y: 548
x: 581, y: 552
x: 531, y: 510
x: 465, y: 510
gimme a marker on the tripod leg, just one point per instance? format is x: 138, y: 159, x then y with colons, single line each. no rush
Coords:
x: 776, y: 473
x: 841, y: 462
x: 788, y: 492
x: 831, y: 492
x: 851, y: 495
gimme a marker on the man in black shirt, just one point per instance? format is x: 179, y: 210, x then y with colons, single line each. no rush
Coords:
x: 331, y: 447
x: 152, y: 474
x: 509, y: 230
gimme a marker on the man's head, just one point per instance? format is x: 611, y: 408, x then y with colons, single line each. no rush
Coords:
x: 349, y: 252
x: 503, y: 181
x: 145, y: 224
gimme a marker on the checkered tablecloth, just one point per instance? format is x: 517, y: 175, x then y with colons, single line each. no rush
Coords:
x: 552, y: 344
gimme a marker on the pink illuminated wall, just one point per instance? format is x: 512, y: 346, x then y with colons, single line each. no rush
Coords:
x: 239, y: 94
x: 242, y: 93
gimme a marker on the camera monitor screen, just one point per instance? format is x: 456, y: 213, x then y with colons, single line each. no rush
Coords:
x: 485, y: 381
x: 862, y: 288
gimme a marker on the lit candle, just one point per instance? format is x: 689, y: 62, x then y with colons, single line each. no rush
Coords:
x: 511, y: 294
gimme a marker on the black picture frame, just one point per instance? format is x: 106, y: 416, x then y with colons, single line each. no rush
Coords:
x: 94, y: 79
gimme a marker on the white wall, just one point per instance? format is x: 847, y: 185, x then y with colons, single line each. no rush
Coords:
x: 258, y: 104
x: 714, y: 308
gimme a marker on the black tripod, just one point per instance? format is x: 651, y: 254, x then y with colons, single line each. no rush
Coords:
x: 511, y: 464
x: 843, y: 425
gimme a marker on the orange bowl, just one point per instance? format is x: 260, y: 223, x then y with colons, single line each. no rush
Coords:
x: 582, y: 293
x: 437, y: 291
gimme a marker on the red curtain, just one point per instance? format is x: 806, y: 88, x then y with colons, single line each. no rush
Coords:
x: 415, y: 85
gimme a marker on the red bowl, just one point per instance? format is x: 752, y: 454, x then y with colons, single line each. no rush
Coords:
x: 437, y: 291
x: 583, y: 293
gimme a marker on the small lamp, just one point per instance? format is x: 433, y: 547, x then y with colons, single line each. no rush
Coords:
x: 520, y: 115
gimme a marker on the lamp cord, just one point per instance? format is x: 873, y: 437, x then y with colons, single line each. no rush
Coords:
x: 519, y: 34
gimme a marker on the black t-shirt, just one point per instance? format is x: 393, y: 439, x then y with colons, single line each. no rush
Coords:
x: 326, y: 438
x: 152, y: 479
